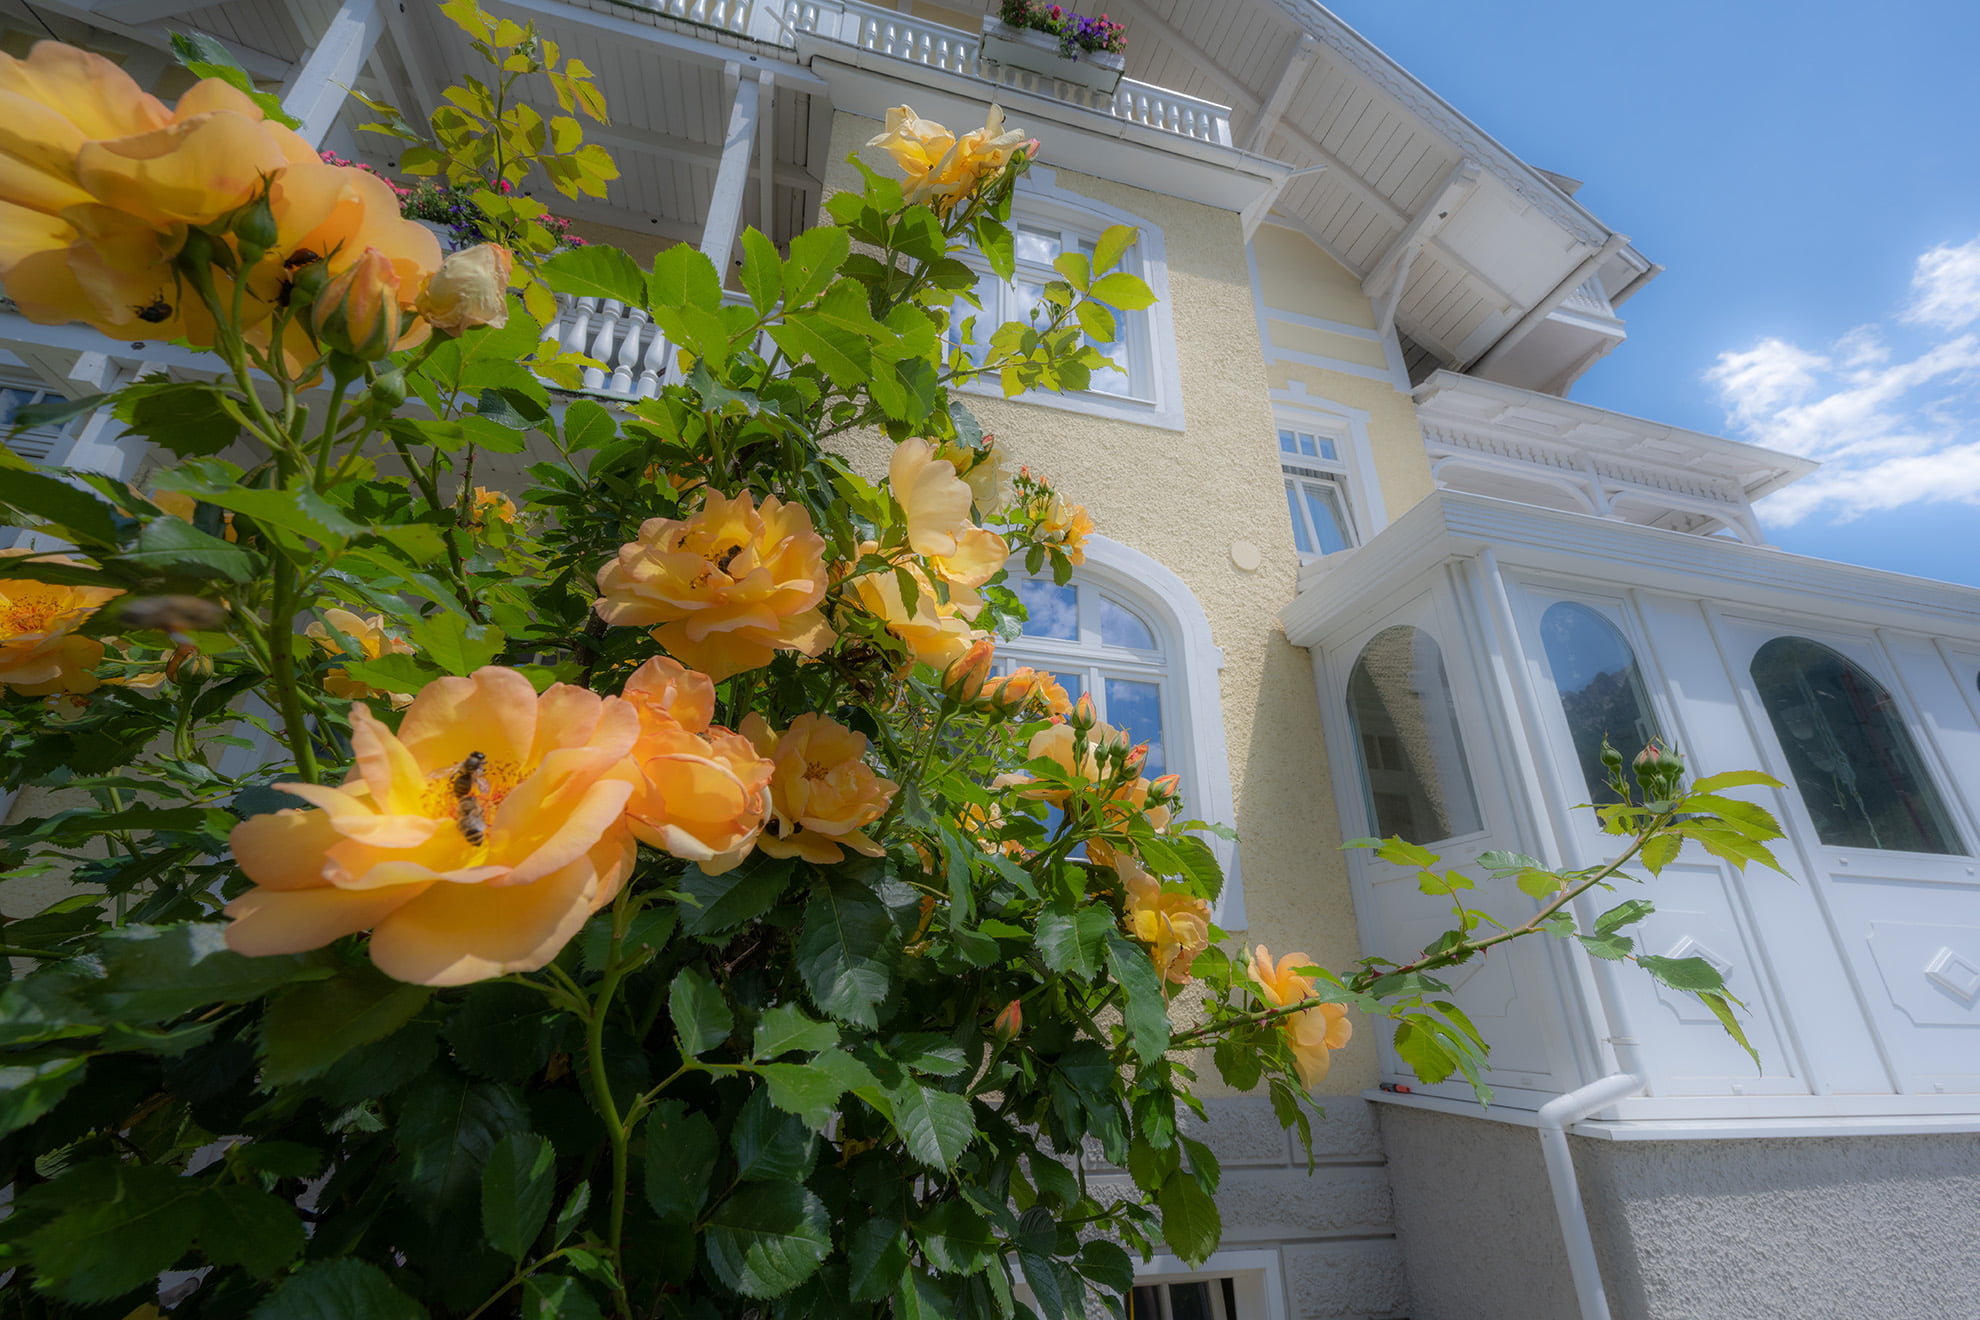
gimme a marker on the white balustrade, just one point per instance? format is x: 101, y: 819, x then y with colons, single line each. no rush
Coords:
x: 886, y: 32
x: 634, y: 358
x: 728, y: 15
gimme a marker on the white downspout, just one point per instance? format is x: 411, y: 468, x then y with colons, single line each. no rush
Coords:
x: 1555, y: 1117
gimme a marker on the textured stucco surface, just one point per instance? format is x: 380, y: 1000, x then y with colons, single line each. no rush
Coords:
x: 1857, y: 1228
x: 1182, y: 498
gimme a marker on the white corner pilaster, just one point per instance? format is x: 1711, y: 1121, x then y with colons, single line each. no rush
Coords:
x: 724, y: 222
x: 324, y: 82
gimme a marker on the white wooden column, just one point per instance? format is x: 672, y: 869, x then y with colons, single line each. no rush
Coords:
x: 718, y: 234
x: 324, y: 82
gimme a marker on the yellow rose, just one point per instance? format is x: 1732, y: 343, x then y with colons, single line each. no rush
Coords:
x: 935, y: 631
x: 40, y: 652
x: 981, y: 469
x: 372, y: 640
x: 822, y: 793
x: 471, y: 288
x: 1028, y: 693
x: 492, y: 504
x: 473, y: 843
x: 359, y: 312
x: 1311, y: 1034
x: 933, y: 499
x: 1067, y: 526
x: 1174, y: 926
x: 940, y: 168
x: 700, y: 793
x: 725, y: 589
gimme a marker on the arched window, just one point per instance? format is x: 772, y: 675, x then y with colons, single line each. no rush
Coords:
x: 1601, y: 689
x: 1099, y: 645
x: 1849, y: 752
x: 1406, y: 731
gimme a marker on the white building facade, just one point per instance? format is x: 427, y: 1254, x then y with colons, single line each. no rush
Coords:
x: 1368, y: 570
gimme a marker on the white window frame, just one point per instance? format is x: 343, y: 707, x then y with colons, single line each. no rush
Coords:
x: 1328, y: 471
x: 43, y: 444
x: 1258, y: 1279
x: 1192, y: 702
x: 1151, y: 337
x: 1296, y: 410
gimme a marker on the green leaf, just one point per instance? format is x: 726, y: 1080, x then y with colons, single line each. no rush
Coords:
x: 1612, y: 947
x: 1073, y: 940
x: 506, y: 1032
x: 1401, y: 852
x: 156, y: 972
x: 29, y: 1090
x: 311, y: 1026
x: 771, y: 1145
x: 1659, y: 851
x: 762, y: 270
x: 392, y: 673
x: 1688, y: 974
x: 1419, y: 1047
x: 1536, y: 883
x: 1107, y: 1265
x: 203, y: 57
x: 571, y: 1214
x: 1111, y: 246
x: 516, y: 1187
x: 876, y: 1256
x: 1723, y: 1011
x: 346, y: 1289
x: 1735, y: 779
x: 700, y: 1014
x: 185, y: 418
x: 767, y: 1238
x: 447, y: 1127
x: 172, y: 547
x: 816, y: 256
x: 558, y: 1297
x: 122, y: 1225
x: 1128, y: 292
x: 999, y: 248
x: 454, y: 644
x: 1190, y: 1222
x: 588, y: 425
x: 806, y: 1091
x: 847, y: 950
x: 1147, y: 1008
x: 246, y: 1227
x: 954, y: 1237
x: 935, y: 1126
x: 1623, y: 914
x: 597, y: 271
x: 69, y: 508
x: 787, y: 1027
x: 736, y: 896
x: 681, y: 1148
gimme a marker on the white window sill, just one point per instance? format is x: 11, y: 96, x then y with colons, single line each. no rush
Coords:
x: 1167, y: 417
x: 1759, y: 1116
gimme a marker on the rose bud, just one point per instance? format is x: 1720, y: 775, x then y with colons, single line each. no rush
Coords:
x: 1084, y: 717
x: 358, y: 311
x: 471, y: 288
x: 1009, y: 1022
x: 964, y: 678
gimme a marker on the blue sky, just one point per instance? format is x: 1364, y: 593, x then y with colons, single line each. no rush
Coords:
x: 1810, y: 176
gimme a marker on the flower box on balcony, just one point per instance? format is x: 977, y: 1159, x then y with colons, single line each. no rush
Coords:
x: 1038, y: 52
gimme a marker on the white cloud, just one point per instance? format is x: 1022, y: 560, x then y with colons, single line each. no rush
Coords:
x: 1945, y: 287
x: 1892, y: 424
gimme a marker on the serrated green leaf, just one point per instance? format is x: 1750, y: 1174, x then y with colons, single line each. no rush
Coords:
x: 246, y: 1227
x: 1723, y: 1011
x: 1735, y: 779
x: 762, y: 270
x: 1128, y: 292
x: 1191, y: 1224
x: 447, y: 1126
x: 1147, y: 1008
x: 954, y: 1237
x: 310, y: 1026
x: 816, y: 256
x: 767, y: 1238
x: 847, y: 950
x: 771, y: 1145
x: 504, y: 1032
x: 1419, y: 1047
x: 1612, y: 947
x: 935, y: 1126
x: 29, y: 1090
x: 788, y: 1027
x: 156, y: 972
x: 681, y: 1148
x: 347, y: 1289
x: 699, y: 1012
x: 1627, y: 913
x: 1073, y: 939
x: 517, y: 1185
x: 453, y: 643
x: 876, y: 1257
x: 124, y: 1224
x: 70, y: 508
x: 558, y: 1297
x: 596, y: 270
x: 734, y: 897
x: 1689, y: 974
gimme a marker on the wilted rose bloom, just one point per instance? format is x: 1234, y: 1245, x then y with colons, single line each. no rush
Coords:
x: 700, y: 793
x: 1029, y: 692
x: 724, y: 589
x: 1174, y: 926
x: 471, y: 288
x: 40, y: 652
x: 822, y: 793
x: 373, y: 640
x: 1311, y: 1034
x: 472, y: 843
x: 934, y: 630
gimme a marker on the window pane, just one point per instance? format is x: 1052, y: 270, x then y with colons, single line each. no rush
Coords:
x: 1405, y: 727
x: 1851, y: 756
x: 1053, y: 609
x: 1190, y: 1301
x: 1323, y: 503
x: 1601, y: 689
x: 1039, y: 245
x: 1027, y: 303
x: 1302, y: 538
x: 1136, y: 709
x: 1104, y: 381
x: 1288, y: 442
x: 1120, y: 626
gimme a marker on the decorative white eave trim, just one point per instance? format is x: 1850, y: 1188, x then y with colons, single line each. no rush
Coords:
x: 1549, y: 419
x: 866, y: 82
x: 1449, y: 525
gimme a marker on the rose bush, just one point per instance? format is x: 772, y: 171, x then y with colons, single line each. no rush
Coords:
x: 642, y: 898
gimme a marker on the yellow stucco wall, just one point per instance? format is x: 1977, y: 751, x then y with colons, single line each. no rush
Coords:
x: 1182, y: 498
